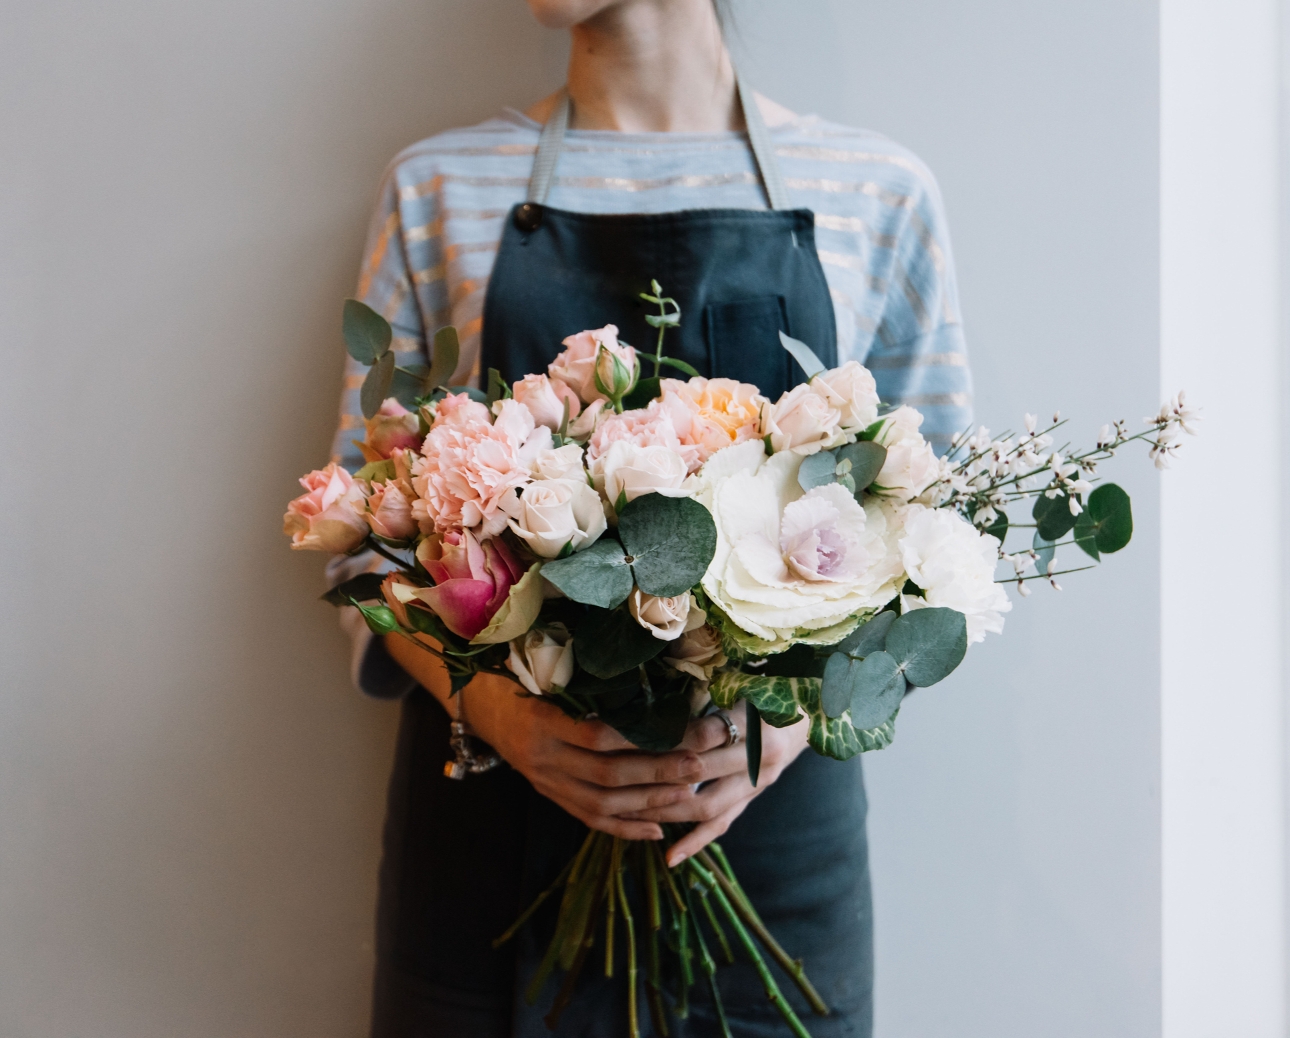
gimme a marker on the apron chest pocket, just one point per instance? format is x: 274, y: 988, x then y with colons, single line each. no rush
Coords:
x: 743, y: 343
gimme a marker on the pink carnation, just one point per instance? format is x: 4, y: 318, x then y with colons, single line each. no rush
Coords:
x: 651, y: 426
x: 469, y: 465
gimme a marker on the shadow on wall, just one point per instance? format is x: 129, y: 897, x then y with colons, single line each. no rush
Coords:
x: 192, y: 792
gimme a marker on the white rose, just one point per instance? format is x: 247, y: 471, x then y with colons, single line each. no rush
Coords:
x: 542, y: 658
x: 697, y: 653
x: 551, y: 513
x: 561, y: 463
x: 628, y: 470
x: 911, y: 465
x: 666, y: 618
x: 852, y: 391
x: 787, y: 563
x: 954, y: 565
x: 801, y: 421
x: 546, y: 399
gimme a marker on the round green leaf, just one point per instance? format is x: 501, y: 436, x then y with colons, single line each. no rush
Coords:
x: 838, y: 685
x: 867, y: 459
x: 878, y: 688
x: 1053, y: 516
x: 669, y: 540
x: 1086, y: 535
x: 928, y: 644
x: 612, y: 643
x: 597, y: 576
x: 869, y: 636
x: 1045, y: 549
x: 367, y: 333
x: 444, y: 357
x: 816, y: 470
x: 1112, y: 515
x: 376, y: 387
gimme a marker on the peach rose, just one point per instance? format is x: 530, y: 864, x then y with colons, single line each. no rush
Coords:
x: 545, y: 399
x: 329, y: 516
x: 576, y: 366
x: 389, y: 512
x: 393, y: 428
x: 712, y: 413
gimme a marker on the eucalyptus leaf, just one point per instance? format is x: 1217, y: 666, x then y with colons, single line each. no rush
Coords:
x: 444, y: 357
x: 517, y: 613
x: 670, y: 541
x: 871, y: 432
x: 878, y: 688
x: 376, y: 471
x: 870, y: 636
x: 362, y: 588
x: 671, y: 320
x: 409, y: 384
x: 1086, y: 535
x: 803, y: 354
x: 497, y: 387
x: 838, y: 684
x: 643, y: 392
x: 999, y: 527
x: 928, y: 644
x: 376, y: 387
x: 831, y: 737
x: 867, y: 459
x: 1111, y: 514
x: 1045, y: 549
x: 816, y: 470
x: 610, y: 643
x: 1053, y: 516
x: 680, y: 365
x: 606, y: 693
x: 367, y: 333
x: 752, y: 742
x: 597, y: 576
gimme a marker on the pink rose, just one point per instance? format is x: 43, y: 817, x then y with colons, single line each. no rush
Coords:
x: 472, y: 579
x: 394, y: 428
x: 576, y: 366
x: 389, y: 512
x: 712, y: 413
x: 468, y: 465
x: 802, y: 421
x: 584, y: 426
x: 329, y: 517
x: 852, y: 391
x: 545, y: 398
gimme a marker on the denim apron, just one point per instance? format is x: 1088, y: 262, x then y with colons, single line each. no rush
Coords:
x: 462, y: 859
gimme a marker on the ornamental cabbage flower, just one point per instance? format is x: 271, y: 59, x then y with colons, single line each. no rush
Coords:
x: 472, y: 579
x: 792, y: 566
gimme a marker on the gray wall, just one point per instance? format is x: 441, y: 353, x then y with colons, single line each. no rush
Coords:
x: 190, y: 794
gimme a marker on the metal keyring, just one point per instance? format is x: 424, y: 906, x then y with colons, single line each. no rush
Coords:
x: 732, y: 729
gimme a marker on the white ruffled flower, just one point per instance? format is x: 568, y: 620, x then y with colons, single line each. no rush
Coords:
x: 911, y: 465
x: 954, y: 566
x: 542, y: 658
x: 787, y: 563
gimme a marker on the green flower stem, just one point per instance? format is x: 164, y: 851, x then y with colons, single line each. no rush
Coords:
x: 537, y: 903
x: 716, y: 926
x: 615, y: 867
x: 653, y: 972
x: 1043, y: 576
x: 793, y: 967
x: 667, y: 875
x: 709, y: 968
x: 589, y: 886
x: 633, y: 1020
x: 564, y: 996
x: 776, y: 997
x: 573, y: 890
x: 385, y: 553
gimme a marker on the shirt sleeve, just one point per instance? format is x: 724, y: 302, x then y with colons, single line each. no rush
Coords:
x: 919, y: 356
x: 384, y: 284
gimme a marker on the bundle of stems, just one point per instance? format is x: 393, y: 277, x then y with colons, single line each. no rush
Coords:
x: 677, y: 905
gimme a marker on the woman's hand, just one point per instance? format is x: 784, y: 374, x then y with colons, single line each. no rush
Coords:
x: 725, y: 770
x: 584, y: 766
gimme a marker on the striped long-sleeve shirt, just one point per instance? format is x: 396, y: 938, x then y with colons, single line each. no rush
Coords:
x: 880, y: 232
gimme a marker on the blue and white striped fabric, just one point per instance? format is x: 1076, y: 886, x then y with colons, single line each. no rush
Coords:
x: 880, y: 232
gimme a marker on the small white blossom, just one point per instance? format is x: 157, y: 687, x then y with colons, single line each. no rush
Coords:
x: 1032, y: 423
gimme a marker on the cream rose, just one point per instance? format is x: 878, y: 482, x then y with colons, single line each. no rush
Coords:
x: 665, y: 618
x: 629, y: 471
x: 561, y: 463
x: 545, y: 399
x: 697, y: 653
x: 542, y: 659
x: 551, y: 513
x: 852, y: 391
x: 911, y: 465
x: 802, y: 421
x: 330, y: 515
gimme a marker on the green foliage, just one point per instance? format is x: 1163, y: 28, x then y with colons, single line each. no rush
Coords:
x: 367, y: 333
x: 680, y: 365
x: 928, y: 644
x: 1045, y: 549
x: 363, y: 588
x: 598, y: 575
x: 867, y: 459
x: 752, y: 742
x: 670, y: 541
x: 380, y: 618
x: 409, y: 384
x: 803, y: 354
x: 610, y: 643
x: 869, y: 636
x: 444, y: 357
x: 376, y: 387
x: 816, y: 470
x: 1106, y: 524
x: 1053, y: 516
x: 655, y: 727
x: 643, y: 392
x: 775, y: 697
x: 497, y: 387
x: 376, y: 471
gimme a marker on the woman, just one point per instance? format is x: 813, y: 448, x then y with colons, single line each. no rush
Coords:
x: 656, y: 163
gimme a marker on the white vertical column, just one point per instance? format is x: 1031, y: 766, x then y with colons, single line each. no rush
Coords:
x: 1223, y: 729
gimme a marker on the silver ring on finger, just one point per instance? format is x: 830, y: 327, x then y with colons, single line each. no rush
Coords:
x: 732, y: 729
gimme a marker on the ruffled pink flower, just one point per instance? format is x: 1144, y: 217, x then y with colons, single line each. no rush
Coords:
x: 576, y: 366
x: 545, y: 399
x: 393, y: 428
x: 650, y: 426
x: 472, y: 579
x: 712, y: 413
x: 329, y: 516
x: 469, y: 464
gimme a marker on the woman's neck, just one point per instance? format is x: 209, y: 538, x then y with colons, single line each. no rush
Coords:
x: 645, y: 65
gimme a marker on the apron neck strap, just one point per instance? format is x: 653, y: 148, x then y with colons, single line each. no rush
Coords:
x: 551, y: 142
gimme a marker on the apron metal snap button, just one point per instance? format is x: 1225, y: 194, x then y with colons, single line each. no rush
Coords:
x: 528, y: 216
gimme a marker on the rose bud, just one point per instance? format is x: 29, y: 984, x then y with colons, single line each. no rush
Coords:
x: 389, y: 512
x: 615, y: 374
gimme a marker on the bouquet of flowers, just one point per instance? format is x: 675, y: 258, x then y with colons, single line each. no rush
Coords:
x: 635, y: 547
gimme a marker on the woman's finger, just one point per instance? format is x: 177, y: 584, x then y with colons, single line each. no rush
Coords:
x: 706, y: 733
x: 630, y: 769
x: 628, y: 800
x: 710, y: 802
x: 701, y: 835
